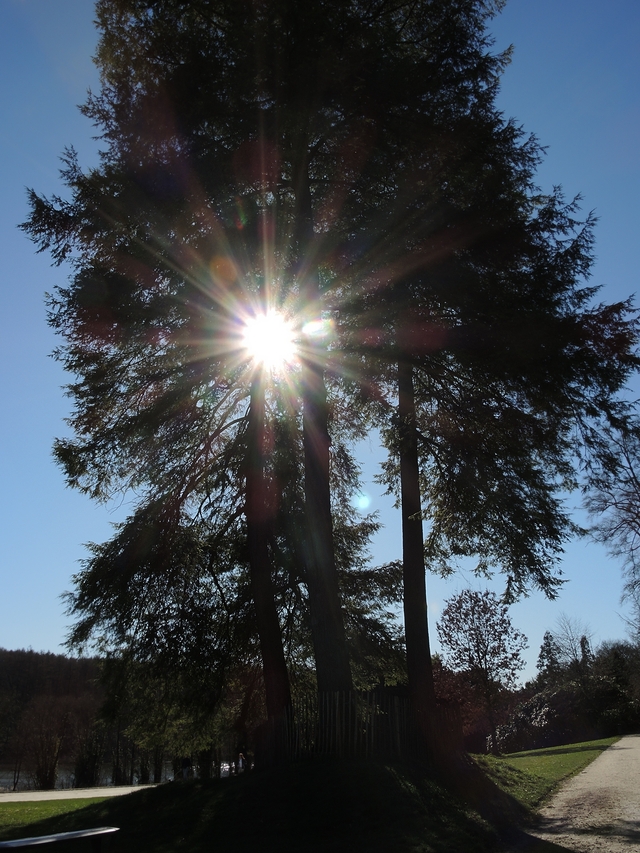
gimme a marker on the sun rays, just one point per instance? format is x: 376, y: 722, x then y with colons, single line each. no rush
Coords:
x: 270, y: 341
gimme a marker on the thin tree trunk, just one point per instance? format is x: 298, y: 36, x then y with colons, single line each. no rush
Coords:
x: 333, y: 670
x: 419, y: 668
x: 276, y: 678
x: 492, y: 727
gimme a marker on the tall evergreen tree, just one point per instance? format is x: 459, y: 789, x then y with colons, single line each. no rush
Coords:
x: 548, y: 663
x: 495, y: 372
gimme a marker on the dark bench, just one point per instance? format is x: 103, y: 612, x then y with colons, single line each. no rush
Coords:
x: 95, y: 835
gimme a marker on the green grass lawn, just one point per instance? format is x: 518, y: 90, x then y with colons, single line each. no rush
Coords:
x: 318, y: 807
x: 16, y: 815
x: 533, y: 776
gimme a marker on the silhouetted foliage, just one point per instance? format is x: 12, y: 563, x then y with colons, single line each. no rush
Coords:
x: 614, y: 502
x: 548, y: 664
x: 581, y: 695
x: 479, y: 641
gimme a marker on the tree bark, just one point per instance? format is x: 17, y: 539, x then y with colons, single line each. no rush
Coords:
x: 419, y: 668
x: 276, y: 678
x: 333, y: 670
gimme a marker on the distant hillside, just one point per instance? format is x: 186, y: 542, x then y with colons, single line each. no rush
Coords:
x: 48, y: 707
x: 25, y: 673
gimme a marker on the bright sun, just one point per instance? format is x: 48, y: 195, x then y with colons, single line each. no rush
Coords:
x: 269, y: 340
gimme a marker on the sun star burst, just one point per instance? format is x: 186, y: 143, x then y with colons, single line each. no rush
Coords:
x: 270, y: 340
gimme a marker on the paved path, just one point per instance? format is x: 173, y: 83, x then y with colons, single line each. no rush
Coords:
x: 70, y: 793
x: 599, y: 809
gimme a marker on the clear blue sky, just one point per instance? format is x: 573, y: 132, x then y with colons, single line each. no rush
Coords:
x: 574, y: 82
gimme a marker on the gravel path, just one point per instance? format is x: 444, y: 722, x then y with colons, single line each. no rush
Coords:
x: 69, y: 793
x: 599, y: 809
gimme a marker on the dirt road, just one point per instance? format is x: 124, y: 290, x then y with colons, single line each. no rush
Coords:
x: 599, y: 809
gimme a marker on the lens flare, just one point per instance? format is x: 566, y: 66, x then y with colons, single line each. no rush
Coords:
x: 269, y: 340
x: 362, y: 501
x: 318, y: 329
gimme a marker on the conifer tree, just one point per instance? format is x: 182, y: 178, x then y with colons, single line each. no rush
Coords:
x: 493, y: 370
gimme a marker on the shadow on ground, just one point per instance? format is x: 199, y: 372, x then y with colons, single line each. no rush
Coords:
x: 316, y: 807
x: 623, y: 830
x: 567, y: 750
x: 530, y: 844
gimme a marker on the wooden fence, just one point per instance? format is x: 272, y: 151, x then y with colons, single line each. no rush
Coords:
x: 356, y: 725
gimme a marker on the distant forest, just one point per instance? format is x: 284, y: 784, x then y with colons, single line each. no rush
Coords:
x: 48, y: 707
x: 82, y: 722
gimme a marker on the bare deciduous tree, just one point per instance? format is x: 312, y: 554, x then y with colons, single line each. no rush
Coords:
x: 614, y: 503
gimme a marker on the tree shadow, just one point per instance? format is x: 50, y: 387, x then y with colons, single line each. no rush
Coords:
x: 474, y: 787
x: 564, y: 751
x: 526, y: 843
x: 623, y: 830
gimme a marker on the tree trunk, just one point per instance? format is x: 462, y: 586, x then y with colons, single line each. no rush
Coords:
x: 420, y: 673
x: 492, y: 728
x: 158, y: 764
x: 276, y: 678
x: 333, y: 670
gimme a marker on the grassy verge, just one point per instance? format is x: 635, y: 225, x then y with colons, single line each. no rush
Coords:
x: 318, y: 807
x: 532, y: 777
x: 14, y: 816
